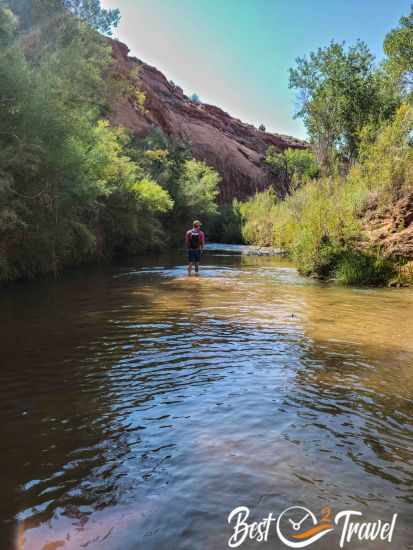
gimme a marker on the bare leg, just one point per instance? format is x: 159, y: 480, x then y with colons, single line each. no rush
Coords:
x: 189, y: 268
x: 196, y: 267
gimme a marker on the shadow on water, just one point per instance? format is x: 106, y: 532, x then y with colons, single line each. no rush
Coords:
x: 141, y: 406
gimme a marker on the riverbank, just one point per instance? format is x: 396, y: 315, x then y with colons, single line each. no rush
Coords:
x: 403, y: 272
x: 335, y: 229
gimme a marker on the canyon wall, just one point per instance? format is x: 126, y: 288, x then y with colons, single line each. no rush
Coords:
x: 234, y: 148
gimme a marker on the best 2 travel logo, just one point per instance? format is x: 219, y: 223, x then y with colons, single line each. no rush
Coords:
x: 298, y: 527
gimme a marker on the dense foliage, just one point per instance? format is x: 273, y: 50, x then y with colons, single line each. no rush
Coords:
x: 226, y: 225
x: 398, y: 46
x: 360, y: 121
x: 340, y: 90
x: 291, y: 167
x: 321, y: 225
x: 193, y: 185
x: 72, y: 188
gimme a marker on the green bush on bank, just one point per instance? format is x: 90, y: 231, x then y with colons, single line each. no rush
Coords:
x: 355, y: 267
x: 320, y: 224
x: 73, y: 189
x: 292, y: 166
x: 258, y: 218
x: 192, y: 185
x: 226, y: 225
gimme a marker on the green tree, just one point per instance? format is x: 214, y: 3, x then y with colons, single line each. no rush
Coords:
x: 8, y: 24
x: 226, y: 225
x: 398, y: 46
x: 340, y: 90
x: 291, y: 167
x: 164, y: 159
x: 385, y: 165
x: 32, y: 13
x: 92, y: 12
x: 192, y: 185
x: 198, y: 190
x: 67, y: 184
x: 129, y: 201
x: 257, y: 217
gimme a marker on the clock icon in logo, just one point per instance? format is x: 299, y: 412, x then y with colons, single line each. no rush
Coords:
x: 297, y: 526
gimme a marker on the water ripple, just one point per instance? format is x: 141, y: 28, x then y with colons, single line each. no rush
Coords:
x: 141, y: 406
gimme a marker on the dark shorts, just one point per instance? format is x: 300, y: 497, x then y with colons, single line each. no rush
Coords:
x: 194, y: 255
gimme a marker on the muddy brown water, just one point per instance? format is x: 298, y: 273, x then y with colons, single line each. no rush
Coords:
x: 139, y: 407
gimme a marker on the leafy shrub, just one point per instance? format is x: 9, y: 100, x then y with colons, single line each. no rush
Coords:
x: 386, y: 162
x: 192, y: 185
x: 398, y: 46
x: 258, y: 218
x: 66, y: 175
x: 320, y: 223
x: 292, y: 167
x: 226, y: 225
x: 358, y: 268
x: 198, y: 189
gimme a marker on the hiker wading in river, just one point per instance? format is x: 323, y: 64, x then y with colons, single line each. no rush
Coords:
x: 194, y: 242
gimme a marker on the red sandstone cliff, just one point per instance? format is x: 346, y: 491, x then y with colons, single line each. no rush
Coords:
x: 234, y: 148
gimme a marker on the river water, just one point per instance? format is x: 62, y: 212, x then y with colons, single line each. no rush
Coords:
x: 140, y: 406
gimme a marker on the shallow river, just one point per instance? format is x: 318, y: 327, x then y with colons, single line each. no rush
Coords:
x: 139, y: 407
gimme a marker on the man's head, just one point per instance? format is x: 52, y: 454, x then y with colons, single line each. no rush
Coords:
x: 196, y: 224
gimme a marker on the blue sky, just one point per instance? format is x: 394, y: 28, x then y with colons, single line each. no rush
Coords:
x: 236, y: 53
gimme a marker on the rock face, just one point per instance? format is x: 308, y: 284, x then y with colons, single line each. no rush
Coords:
x: 392, y: 229
x: 234, y: 148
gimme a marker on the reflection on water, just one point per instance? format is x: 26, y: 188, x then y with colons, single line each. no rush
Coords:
x: 140, y: 406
